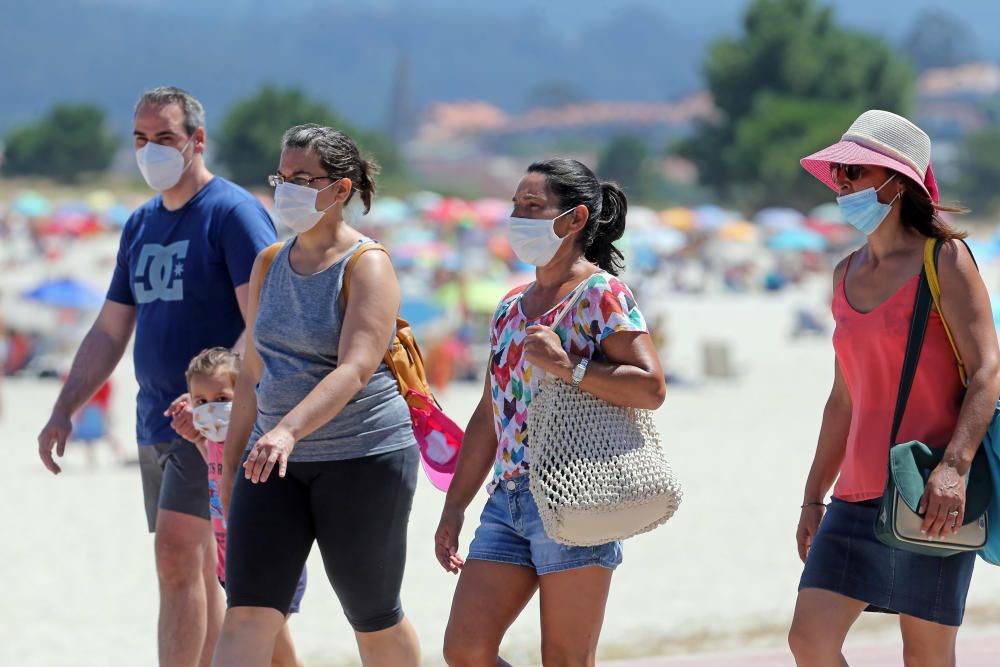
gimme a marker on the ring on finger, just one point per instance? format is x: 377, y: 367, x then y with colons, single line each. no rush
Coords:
x: 953, y: 514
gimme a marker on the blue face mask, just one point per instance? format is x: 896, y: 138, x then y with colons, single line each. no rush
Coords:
x: 863, y: 210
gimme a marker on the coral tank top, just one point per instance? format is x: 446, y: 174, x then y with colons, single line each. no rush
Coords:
x: 870, y: 348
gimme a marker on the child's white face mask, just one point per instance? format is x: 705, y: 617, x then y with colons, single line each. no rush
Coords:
x: 212, y: 420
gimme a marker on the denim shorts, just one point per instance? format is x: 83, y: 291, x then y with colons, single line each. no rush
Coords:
x: 510, y: 531
x: 847, y: 558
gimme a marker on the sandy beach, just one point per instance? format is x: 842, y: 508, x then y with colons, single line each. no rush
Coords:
x: 719, y: 577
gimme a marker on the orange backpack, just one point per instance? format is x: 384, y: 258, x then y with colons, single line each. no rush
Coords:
x: 404, y: 358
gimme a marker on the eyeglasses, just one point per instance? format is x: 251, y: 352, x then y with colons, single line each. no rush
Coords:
x: 852, y: 171
x: 274, y: 180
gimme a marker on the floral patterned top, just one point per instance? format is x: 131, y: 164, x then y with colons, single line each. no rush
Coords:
x: 605, y: 307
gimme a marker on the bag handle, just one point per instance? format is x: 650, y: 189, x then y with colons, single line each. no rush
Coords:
x: 266, y: 260
x: 362, y: 249
x: 914, y: 343
x: 576, y: 293
x: 932, y: 250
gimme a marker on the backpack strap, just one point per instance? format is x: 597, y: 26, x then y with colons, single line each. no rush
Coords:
x: 266, y: 260
x: 362, y: 249
x: 932, y: 250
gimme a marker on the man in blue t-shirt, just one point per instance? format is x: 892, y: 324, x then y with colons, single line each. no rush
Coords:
x: 181, y: 282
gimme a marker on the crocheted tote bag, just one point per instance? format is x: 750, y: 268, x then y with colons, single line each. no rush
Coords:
x: 598, y: 470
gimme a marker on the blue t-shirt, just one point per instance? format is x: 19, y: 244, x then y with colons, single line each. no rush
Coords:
x: 180, y: 270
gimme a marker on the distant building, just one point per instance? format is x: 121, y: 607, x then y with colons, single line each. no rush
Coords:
x: 953, y: 102
x: 479, y: 144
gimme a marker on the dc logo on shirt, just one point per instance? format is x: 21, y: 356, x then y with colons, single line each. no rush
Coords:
x: 161, y: 267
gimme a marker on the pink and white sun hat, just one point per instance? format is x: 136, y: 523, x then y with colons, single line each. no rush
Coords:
x: 880, y: 138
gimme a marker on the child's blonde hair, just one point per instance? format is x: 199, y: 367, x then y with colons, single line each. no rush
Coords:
x: 214, y: 360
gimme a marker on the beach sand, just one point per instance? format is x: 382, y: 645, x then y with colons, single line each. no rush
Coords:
x: 720, y: 576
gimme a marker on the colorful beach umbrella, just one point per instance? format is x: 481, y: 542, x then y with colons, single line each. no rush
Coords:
x: 390, y: 211
x: 778, y: 218
x: 677, y: 217
x: 662, y: 240
x: 740, y: 231
x: 710, y: 217
x: 32, y: 205
x: 100, y: 201
x: 828, y: 212
x: 491, y: 212
x: 641, y: 217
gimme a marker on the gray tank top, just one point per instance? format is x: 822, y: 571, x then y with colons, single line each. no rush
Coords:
x: 297, y: 334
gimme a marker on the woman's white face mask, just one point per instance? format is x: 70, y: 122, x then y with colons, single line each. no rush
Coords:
x: 534, y: 241
x: 295, y: 205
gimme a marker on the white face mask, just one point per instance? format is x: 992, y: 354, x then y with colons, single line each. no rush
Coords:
x: 295, y: 206
x: 534, y: 241
x: 162, y: 166
x: 212, y: 420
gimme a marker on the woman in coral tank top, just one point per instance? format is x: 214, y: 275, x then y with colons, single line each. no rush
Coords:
x: 882, y: 174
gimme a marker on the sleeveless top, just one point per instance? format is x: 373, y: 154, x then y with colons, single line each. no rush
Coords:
x: 870, y: 348
x: 297, y: 334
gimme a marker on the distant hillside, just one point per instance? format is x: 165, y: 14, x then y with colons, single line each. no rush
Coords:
x: 345, y: 53
x: 110, y: 52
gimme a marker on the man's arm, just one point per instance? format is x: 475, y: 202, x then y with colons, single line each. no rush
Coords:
x: 242, y: 295
x: 99, y: 353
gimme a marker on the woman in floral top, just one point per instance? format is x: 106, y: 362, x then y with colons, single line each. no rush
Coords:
x: 565, y: 223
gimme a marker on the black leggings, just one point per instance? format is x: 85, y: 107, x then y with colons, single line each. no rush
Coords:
x: 356, y: 510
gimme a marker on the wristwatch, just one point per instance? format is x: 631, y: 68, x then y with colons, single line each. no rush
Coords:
x: 579, y: 371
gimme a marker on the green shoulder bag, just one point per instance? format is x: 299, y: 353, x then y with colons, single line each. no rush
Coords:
x: 911, y: 463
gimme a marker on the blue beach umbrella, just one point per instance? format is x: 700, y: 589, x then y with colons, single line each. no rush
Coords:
x: 828, y: 212
x: 390, y: 210
x: 995, y: 305
x: 798, y: 240
x: 420, y: 311
x: 778, y: 218
x: 118, y: 214
x: 32, y: 205
x: 66, y: 293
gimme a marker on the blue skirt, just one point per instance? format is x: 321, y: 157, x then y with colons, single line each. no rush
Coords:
x: 847, y: 558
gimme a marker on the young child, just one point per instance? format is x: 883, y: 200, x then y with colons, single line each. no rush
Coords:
x: 211, y: 379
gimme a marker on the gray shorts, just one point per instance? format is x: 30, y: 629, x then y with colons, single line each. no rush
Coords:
x: 175, y: 478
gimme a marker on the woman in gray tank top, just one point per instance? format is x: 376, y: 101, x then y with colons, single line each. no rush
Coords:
x: 329, y: 453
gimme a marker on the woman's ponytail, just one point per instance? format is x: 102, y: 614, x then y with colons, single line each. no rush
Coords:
x: 609, y: 228
x: 366, y: 183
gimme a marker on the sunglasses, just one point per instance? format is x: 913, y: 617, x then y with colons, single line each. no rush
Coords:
x: 852, y: 171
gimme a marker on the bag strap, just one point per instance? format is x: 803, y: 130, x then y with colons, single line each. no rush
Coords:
x: 266, y: 260
x: 577, y: 294
x: 914, y: 343
x: 932, y: 250
x: 362, y: 249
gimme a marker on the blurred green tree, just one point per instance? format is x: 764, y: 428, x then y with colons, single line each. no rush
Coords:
x: 979, y: 166
x: 68, y: 143
x: 625, y: 160
x: 249, y: 143
x: 791, y: 83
